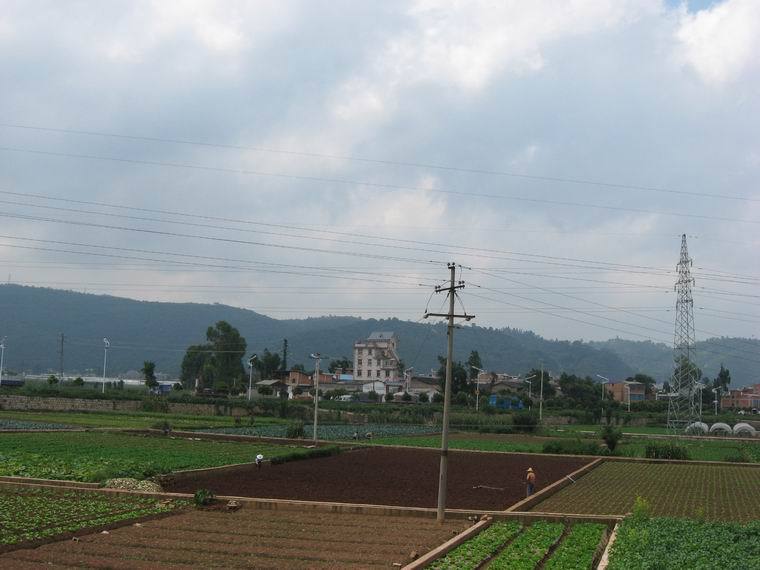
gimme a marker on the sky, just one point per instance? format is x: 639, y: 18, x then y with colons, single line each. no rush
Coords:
x: 331, y: 157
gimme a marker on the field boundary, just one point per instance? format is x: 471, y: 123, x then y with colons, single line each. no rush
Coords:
x: 536, y: 498
x: 48, y: 482
x: 605, y: 559
x: 449, y: 545
x: 681, y: 461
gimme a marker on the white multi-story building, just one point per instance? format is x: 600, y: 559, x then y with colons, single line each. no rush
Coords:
x: 376, y: 358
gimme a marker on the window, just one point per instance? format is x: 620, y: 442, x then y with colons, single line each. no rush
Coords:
x: 369, y: 362
x: 359, y: 362
x: 359, y: 373
x: 378, y: 374
x: 387, y: 373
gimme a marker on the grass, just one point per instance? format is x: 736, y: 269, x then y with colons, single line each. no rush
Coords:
x: 97, y: 456
x: 133, y: 420
x: 470, y: 441
x: 29, y: 513
x: 713, y: 492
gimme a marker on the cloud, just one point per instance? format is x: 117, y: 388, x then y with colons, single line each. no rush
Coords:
x: 721, y: 43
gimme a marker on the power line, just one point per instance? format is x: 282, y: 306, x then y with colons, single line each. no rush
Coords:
x: 386, y: 162
x: 375, y: 185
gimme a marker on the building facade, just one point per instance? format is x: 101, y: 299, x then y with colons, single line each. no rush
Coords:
x: 376, y: 358
x: 747, y: 398
x: 626, y: 391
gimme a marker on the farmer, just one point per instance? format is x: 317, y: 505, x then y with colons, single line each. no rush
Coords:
x: 259, y: 460
x: 530, y: 480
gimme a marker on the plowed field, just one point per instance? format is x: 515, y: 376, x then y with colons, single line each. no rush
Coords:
x: 247, y: 539
x: 388, y: 476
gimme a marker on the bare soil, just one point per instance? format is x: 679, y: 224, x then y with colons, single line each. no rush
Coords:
x: 248, y: 538
x: 388, y: 476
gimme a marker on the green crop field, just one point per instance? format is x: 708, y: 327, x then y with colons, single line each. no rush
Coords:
x: 134, y: 420
x: 331, y: 432
x: 29, y: 513
x: 716, y: 492
x: 506, y: 443
x: 677, y: 544
x: 97, y: 456
x: 507, y: 544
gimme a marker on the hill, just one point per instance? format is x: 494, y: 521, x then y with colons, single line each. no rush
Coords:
x: 33, y: 318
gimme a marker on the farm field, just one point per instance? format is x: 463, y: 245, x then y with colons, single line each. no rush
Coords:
x: 25, y: 425
x: 328, y: 432
x: 246, y: 539
x: 702, y: 450
x: 387, y: 476
x: 679, y: 543
x: 31, y: 513
x: 97, y: 456
x: 715, y: 492
x: 507, y: 544
x: 132, y: 420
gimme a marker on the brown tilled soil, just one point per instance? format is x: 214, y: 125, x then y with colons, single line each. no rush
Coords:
x: 388, y: 476
x: 248, y: 538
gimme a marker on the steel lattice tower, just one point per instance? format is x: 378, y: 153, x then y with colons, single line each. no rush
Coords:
x: 684, y: 405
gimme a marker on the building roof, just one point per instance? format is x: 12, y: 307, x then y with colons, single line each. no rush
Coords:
x: 268, y: 382
x: 381, y: 335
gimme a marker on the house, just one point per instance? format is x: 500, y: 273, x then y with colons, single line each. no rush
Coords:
x: 376, y: 358
x: 625, y: 392
x: 742, y: 399
x: 271, y: 388
x: 420, y: 384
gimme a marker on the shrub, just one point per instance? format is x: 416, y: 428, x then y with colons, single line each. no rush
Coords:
x: 155, y: 404
x: 407, y: 397
x: 52, y: 379
x: 295, y: 430
x: 312, y: 453
x: 203, y: 497
x: 611, y: 437
x: 78, y: 381
x: 665, y: 451
x: 525, y: 422
x: 641, y: 508
x: 572, y: 447
x: 423, y: 398
x: 437, y: 398
x: 389, y: 397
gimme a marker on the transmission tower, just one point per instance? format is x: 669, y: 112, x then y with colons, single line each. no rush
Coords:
x: 684, y: 401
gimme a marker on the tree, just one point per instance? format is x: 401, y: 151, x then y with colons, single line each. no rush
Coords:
x: 423, y: 398
x: 473, y: 363
x: 217, y: 363
x: 78, y: 381
x: 723, y: 379
x: 648, y: 382
x: 284, y: 362
x: 267, y: 364
x: 342, y: 363
x: 581, y: 392
x: 458, y: 377
x: 549, y: 390
x: 298, y: 368
x: 148, y: 372
x: 52, y: 379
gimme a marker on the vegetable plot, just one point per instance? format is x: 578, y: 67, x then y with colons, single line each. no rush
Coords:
x: 514, y: 548
x: 665, y: 543
x: 29, y: 513
x: 332, y: 432
x: 29, y: 426
x: 97, y: 456
x: 471, y: 554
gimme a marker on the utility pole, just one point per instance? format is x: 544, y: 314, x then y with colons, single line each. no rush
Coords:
x: 106, y: 345
x: 316, y: 356
x: 251, y: 360
x: 442, y: 475
x: 60, y: 353
x: 541, y: 397
x: 2, y: 358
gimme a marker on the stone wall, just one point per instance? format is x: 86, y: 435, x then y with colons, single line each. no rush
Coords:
x: 31, y: 403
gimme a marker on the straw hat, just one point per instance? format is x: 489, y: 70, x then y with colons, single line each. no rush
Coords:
x: 530, y: 469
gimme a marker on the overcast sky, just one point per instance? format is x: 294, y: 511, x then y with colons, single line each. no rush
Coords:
x: 558, y: 149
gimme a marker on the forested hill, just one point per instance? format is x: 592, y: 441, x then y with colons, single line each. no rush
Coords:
x: 32, y: 319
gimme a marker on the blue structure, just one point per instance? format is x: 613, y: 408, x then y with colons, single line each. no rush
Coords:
x: 505, y: 402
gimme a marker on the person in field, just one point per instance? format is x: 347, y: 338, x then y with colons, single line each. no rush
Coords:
x: 259, y: 460
x: 530, y: 480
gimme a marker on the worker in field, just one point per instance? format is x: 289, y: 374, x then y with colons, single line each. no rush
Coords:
x: 259, y: 460
x: 530, y: 480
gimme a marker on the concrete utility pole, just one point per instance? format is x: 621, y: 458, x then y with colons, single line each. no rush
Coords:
x: 251, y: 360
x: 442, y: 475
x: 106, y: 345
x: 2, y: 358
x: 316, y: 356
x: 60, y: 353
x: 477, y: 387
x: 541, y: 396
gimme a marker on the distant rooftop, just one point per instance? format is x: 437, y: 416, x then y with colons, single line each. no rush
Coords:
x: 381, y: 335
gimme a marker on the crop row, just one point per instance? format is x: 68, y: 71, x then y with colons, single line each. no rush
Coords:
x: 33, y: 513
x: 332, y: 432
x: 666, y: 543
x: 97, y: 456
x: 528, y: 547
x: 6, y: 424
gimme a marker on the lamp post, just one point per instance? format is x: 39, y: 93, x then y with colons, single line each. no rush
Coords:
x: 477, y: 388
x: 408, y: 378
x: 529, y: 381
x: 714, y: 391
x: 2, y: 358
x: 606, y: 381
x: 541, y: 396
x: 628, y: 388
x: 251, y: 360
x: 106, y: 346
x: 316, y: 356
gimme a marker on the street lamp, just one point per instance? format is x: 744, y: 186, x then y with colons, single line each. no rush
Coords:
x: 541, y: 396
x: 316, y: 356
x: 714, y: 391
x: 529, y: 380
x: 477, y: 388
x: 606, y: 381
x: 106, y: 346
x: 2, y: 358
x: 628, y: 388
x: 251, y: 360
x: 408, y: 378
